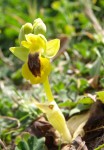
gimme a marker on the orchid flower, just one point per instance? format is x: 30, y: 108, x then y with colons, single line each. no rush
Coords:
x: 35, y: 51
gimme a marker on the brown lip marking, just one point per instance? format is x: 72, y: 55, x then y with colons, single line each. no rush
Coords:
x: 51, y: 106
x: 34, y: 64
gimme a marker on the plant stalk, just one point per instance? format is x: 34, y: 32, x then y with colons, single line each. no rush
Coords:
x: 48, y: 90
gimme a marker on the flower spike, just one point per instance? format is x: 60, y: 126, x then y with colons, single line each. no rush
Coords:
x: 36, y: 53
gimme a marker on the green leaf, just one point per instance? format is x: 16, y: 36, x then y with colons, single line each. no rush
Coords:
x: 100, y: 147
x: 25, y: 136
x: 100, y: 95
x: 52, y: 48
x: 95, y: 69
x: 33, y: 143
x: 36, y: 144
x: 86, y: 100
x: 67, y: 103
x: 82, y: 47
x: 16, y: 148
x: 20, y: 52
x: 78, y: 109
x: 17, y: 77
x: 56, y: 5
x: 23, y: 145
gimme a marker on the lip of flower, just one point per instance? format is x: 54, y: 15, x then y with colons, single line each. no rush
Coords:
x: 40, y: 75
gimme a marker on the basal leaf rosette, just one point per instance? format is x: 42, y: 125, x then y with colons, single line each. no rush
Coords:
x: 36, y: 52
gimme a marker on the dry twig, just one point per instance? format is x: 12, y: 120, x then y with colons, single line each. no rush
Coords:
x: 11, y: 118
x: 3, y: 145
x: 5, y: 60
x: 91, y: 16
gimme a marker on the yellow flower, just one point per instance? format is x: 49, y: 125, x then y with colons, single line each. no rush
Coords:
x: 36, y: 52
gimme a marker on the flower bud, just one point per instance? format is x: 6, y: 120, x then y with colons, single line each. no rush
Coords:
x: 39, y: 27
x: 25, y: 29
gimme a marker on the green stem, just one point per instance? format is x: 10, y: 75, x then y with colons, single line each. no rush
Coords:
x: 48, y: 90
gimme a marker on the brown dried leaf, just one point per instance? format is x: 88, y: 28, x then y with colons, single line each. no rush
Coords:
x: 96, y: 117
x: 94, y: 128
x: 94, y: 82
x: 42, y: 128
x: 78, y: 144
x: 75, y: 124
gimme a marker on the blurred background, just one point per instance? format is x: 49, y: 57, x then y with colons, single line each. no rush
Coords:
x: 78, y: 68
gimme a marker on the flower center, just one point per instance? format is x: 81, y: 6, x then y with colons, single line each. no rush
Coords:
x: 34, y: 64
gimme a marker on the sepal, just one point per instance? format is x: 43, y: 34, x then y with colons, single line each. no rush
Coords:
x: 20, y: 52
x: 52, y: 48
x: 25, y: 29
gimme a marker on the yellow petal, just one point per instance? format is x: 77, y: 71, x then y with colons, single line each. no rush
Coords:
x: 25, y: 44
x: 52, y: 48
x: 31, y: 37
x: 45, y: 70
x: 20, y: 52
x: 34, y: 42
